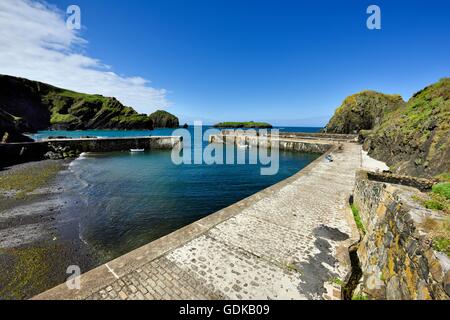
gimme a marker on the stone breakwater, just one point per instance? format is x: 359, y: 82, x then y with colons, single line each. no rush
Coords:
x: 308, y: 146
x: 288, y: 241
x: 14, y: 153
x: 396, y: 255
x: 296, y: 135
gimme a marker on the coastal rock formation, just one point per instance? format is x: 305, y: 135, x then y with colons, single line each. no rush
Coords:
x: 363, y: 111
x: 11, y: 128
x: 42, y: 106
x: 164, y: 119
x: 413, y: 138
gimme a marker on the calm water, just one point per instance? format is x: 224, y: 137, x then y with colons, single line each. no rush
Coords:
x: 128, y: 200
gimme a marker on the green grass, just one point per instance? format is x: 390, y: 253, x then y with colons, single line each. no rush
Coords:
x: 357, y: 218
x: 248, y: 124
x: 62, y: 118
x: 78, y: 95
x: 442, y: 244
x: 337, y: 281
x: 433, y: 204
x: 438, y: 198
x: 442, y: 189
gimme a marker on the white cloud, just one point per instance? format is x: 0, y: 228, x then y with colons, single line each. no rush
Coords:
x: 36, y: 44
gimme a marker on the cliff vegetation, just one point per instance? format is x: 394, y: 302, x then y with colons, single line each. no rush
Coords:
x: 412, y: 138
x: 249, y: 124
x: 40, y: 106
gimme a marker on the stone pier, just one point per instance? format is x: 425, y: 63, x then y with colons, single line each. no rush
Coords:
x: 289, y: 241
x: 14, y: 153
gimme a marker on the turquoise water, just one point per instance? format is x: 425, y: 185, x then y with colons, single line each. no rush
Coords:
x: 128, y: 200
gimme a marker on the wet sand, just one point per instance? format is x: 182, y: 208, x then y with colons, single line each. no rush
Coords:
x: 39, y: 232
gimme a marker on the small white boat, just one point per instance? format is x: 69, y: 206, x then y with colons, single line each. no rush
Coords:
x: 137, y: 150
x: 243, y: 146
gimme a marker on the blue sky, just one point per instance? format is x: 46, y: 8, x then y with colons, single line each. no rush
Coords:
x: 287, y: 62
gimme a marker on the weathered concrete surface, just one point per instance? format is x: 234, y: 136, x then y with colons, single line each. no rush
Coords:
x: 284, y: 242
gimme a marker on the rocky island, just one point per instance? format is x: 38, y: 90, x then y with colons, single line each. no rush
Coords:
x: 245, y: 125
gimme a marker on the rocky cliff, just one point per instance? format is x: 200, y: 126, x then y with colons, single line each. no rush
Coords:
x: 363, y: 111
x: 164, y: 119
x: 412, y: 138
x: 415, y: 139
x: 42, y: 106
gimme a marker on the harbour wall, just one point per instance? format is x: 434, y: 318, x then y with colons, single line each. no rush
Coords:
x: 295, y: 135
x: 270, y: 142
x: 14, y: 153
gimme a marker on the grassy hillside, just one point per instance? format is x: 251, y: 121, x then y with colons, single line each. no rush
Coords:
x: 43, y: 106
x: 72, y: 110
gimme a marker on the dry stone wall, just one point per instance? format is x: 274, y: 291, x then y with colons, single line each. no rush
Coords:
x: 395, y: 254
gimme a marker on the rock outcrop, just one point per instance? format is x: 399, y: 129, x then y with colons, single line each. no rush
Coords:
x: 164, y: 119
x: 363, y: 111
x: 42, y: 106
x: 11, y: 128
x: 413, y: 138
